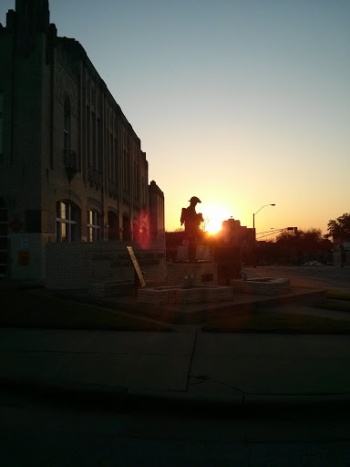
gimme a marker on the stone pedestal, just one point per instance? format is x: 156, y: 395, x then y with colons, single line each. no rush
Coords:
x: 182, y: 296
x: 191, y: 274
x: 262, y: 286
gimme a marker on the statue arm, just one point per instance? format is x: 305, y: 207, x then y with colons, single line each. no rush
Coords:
x: 183, y: 216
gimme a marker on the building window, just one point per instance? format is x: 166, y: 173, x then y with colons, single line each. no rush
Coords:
x: 88, y: 136
x: 99, y: 144
x: 94, y: 141
x: 116, y: 161
x: 67, y: 221
x: 94, y: 226
x: 113, y: 158
x: 67, y: 127
x: 110, y: 156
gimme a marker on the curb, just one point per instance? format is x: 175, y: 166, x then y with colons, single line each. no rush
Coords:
x: 123, y: 398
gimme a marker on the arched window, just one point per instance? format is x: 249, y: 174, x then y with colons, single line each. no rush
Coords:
x: 67, y: 221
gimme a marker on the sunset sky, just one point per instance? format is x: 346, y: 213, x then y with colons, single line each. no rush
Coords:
x: 242, y: 103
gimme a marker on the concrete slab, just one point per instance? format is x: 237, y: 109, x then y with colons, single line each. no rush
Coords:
x: 149, y: 372
x: 235, y: 368
x: 274, y: 365
x: 276, y: 376
x: 136, y: 343
x: 273, y: 345
x: 158, y: 361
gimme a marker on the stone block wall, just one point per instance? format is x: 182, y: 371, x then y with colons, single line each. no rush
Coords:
x: 182, y: 296
x: 186, y: 273
x: 266, y: 286
x: 26, y: 251
x: 78, y: 265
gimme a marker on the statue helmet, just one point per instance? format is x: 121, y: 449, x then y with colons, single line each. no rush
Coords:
x: 194, y: 199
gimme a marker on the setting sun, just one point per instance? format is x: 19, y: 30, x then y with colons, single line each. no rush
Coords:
x: 213, y: 216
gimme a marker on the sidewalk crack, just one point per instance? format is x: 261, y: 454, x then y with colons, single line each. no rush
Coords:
x: 191, y: 361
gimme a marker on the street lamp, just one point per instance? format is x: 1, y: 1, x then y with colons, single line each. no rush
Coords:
x: 255, y: 213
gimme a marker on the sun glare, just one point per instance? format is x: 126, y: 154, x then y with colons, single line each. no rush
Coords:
x: 213, y: 216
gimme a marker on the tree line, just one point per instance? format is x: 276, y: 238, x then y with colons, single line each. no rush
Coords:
x: 305, y: 246
x: 295, y: 248
x: 291, y: 247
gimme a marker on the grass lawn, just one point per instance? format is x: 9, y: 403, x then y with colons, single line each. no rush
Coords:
x: 338, y: 295
x: 287, y: 322
x: 336, y: 301
x: 336, y: 305
x: 35, y: 309
x: 274, y: 322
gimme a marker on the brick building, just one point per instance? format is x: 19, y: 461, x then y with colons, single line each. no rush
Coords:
x: 72, y: 170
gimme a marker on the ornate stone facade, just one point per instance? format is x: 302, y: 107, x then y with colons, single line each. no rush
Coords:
x: 71, y: 166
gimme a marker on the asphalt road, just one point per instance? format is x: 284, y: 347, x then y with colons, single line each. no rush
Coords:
x: 307, y: 276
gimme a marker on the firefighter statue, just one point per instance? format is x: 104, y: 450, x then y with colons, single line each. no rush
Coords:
x: 192, y: 220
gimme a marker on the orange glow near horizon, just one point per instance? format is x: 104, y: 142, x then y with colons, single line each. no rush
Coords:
x: 214, y: 215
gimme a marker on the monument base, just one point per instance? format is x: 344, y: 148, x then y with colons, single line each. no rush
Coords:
x: 198, y: 273
x: 262, y: 286
x: 182, y: 295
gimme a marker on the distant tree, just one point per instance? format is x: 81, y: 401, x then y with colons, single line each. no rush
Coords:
x: 339, y: 228
x: 300, y: 246
x: 267, y: 253
x: 310, y: 243
x: 289, y: 247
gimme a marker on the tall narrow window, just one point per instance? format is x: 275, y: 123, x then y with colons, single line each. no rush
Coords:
x: 67, y: 131
x: 94, y: 140
x: 94, y: 226
x: 99, y: 144
x: 111, y: 153
x: 116, y: 162
x: 124, y: 160
x: 67, y: 221
x: 88, y: 136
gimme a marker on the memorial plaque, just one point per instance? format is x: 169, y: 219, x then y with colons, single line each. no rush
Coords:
x: 136, y: 266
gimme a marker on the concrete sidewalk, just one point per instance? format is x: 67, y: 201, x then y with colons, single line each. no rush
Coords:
x: 235, y: 369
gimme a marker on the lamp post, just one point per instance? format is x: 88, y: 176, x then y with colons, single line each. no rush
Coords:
x: 255, y: 213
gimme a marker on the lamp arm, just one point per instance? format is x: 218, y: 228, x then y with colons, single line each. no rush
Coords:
x: 261, y: 208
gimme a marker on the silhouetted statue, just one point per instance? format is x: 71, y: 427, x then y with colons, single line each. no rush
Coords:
x: 192, y: 221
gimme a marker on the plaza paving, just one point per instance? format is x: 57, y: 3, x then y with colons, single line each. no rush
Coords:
x: 187, y: 365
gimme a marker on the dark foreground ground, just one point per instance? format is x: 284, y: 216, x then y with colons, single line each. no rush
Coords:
x: 186, y: 398
x: 43, y: 433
